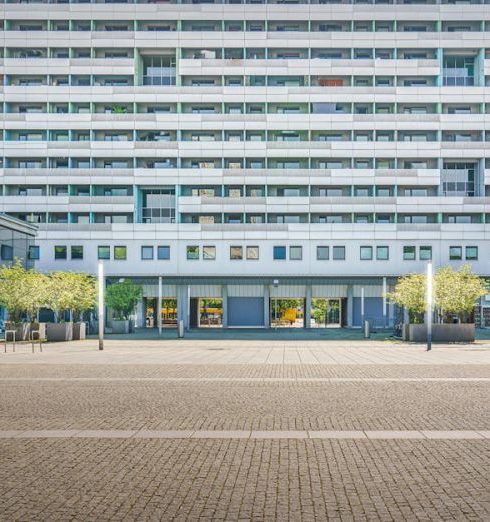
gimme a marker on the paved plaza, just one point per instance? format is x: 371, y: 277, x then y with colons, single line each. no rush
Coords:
x: 250, y: 429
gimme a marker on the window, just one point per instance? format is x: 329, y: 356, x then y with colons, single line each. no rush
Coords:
x: 77, y: 252
x: 322, y: 253
x: 33, y: 253
x: 252, y: 253
x: 192, y: 252
x: 425, y: 253
x: 338, y: 253
x: 209, y: 252
x: 295, y: 253
x: 455, y: 253
x: 236, y: 252
x: 366, y: 253
x: 147, y: 253
x: 471, y: 253
x: 382, y: 253
x: 279, y: 253
x: 163, y: 252
x: 409, y: 253
x: 6, y: 253
x: 120, y: 253
x: 104, y: 252
x: 60, y: 252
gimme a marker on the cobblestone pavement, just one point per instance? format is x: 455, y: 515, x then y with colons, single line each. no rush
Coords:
x: 224, y: 430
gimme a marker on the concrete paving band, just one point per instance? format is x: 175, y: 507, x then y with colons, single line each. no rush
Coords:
x: 247, y: 434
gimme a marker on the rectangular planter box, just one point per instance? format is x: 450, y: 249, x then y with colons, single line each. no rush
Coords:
x: 120, y: 327
x: 22, y: 331
x: 443, y: 333
x: 58, y: 332
x: 79, y: 331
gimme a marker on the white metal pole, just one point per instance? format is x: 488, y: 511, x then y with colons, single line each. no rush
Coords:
x: 159, y: 305
x: 101, y: 303
x: 429, y: 305
x: 384, y: 303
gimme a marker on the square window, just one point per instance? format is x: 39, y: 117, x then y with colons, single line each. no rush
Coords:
x: 366, y: 253
x: 253, y: 253
x: 209, y: 252
x: 120, y: 253
x: 236, y: 252
x: 455, y: 253
x: 163, y: 252
x: 60, y: 252
x: 338, y: 253
x: 322, y: 253
x: 77, y: 252
x: 295, y: 253
x: 104, y: 252
x: 192, y: 252
x: 471, y: 253
x: 382, y: 253
x: 425, y: 253
x: 6, y: 253
x: 409, y: 253
x: 33, y: 253
x: 279, y: 253
x: 147, y: 253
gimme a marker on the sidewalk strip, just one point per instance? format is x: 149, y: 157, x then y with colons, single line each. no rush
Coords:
x: 250, y: 434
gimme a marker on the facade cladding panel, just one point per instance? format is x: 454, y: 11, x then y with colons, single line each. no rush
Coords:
x: 246, y: 311
x: 291, y: 146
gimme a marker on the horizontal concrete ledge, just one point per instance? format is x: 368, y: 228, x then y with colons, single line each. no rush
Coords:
x: 191, y: 380
x: 250, y: 434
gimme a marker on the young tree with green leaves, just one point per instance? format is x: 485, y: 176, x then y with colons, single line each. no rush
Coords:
x: 122, y: 298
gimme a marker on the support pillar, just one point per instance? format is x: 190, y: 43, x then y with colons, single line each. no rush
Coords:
x: 308, y: 307
x: 140, y: 314
x: 159, y: 305
x: 182, y: 305
x: 350, y: 306
x: 267, y: 296
x: 224, y: 296
x: 385, y: 311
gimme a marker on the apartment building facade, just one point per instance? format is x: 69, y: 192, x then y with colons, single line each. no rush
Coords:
x: 238, y: 156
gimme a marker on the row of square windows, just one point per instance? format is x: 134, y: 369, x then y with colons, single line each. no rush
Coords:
x: 250, y: 252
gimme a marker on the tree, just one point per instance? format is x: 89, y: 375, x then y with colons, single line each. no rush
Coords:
x: 122, y: 298
x: 456, y: 291
x: 22, y: 291
x: 410, y: 292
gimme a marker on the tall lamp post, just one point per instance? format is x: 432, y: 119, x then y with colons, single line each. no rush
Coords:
x: 429, y: 305
x: 101, y: 303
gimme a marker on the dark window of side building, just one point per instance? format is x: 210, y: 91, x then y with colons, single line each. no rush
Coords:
x: 103, y: 252
x: 338, y: 253
x: 382, y: 253
x: 322, y: 253
x: 60, y: 252
x: 120, y: 253
x: 366, y: 253
x: 163, y: 252
x: 425, y: 253
x: 192, y: 252
x: 471, y: 253
x: 6, y: 253
x: 146, y: 253
x: 409, y: 253
x: 33, y: 253
x: 455, y: 253
x: 77, y: 252
x: 279, y: 253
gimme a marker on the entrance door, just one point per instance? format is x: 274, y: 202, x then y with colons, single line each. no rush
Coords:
x: 326, y: 313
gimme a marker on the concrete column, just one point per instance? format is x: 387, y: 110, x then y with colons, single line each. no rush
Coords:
x: 140, y: 314
x: 350, y: 306
x: 405, y: 316
x: 182, y: 304
x: 267, y: 295
x: 308, y: 307
x: 159, y: 305
x: 224, y: 296
x: 385, y: 311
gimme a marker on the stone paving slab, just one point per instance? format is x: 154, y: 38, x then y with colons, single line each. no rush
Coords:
x: 301, y: 480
